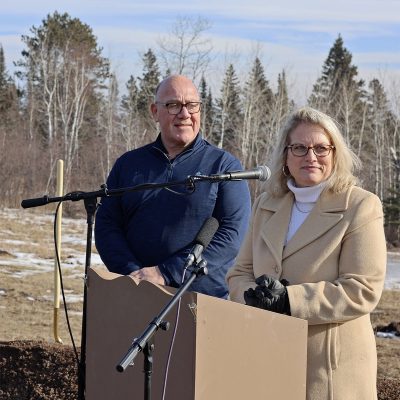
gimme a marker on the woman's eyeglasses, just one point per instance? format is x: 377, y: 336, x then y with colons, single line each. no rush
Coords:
x: 320, y: 150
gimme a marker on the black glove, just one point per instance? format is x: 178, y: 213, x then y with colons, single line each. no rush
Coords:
x: 270, y: 294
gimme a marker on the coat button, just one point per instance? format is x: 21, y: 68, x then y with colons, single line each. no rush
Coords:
x: 276, y: 269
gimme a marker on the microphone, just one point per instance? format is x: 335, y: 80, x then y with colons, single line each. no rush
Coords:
x: 202, y: 240
x: 261, y: 173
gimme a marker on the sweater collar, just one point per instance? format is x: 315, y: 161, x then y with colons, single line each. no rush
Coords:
x: 197, y: 142
x: 308, y: 194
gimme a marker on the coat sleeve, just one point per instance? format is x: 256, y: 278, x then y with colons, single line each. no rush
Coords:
x: 361, y: 272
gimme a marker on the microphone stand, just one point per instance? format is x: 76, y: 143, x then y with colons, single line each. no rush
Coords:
x: 90, y: 201
x: 145, y: 341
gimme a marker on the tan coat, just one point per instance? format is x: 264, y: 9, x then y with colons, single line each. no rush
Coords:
x: 335, y: 264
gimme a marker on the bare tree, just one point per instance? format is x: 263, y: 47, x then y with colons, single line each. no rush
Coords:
x: 185, y: 50
x: 109, y: 124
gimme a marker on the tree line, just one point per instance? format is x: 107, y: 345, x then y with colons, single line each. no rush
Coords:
x: 64, y: 102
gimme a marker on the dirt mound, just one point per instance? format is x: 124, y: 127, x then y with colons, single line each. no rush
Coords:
x: 37, y: 370
x: 388, y: 389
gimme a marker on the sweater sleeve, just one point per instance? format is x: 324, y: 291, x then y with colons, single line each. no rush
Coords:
x: 110, y: 238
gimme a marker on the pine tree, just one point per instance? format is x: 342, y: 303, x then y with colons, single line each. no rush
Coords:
x: 392, y: 203
x: 62, y: 64
x: 3, y: 76
x: 283, y: 105
x: 148, y: 82
x: 382, y: 137
x: 207, y: 110
x: 9, y: 106
x: 339, y: 93
x: 229, y: 115
x: 131, y: 125
x: 147, y: 85
x: 129, y: 101
x: 64, y: 73
x: 257, y: 120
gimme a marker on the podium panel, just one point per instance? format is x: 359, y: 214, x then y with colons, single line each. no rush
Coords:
x: 223, y: 350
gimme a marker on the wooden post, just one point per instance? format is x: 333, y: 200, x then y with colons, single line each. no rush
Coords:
x: 60, y: 192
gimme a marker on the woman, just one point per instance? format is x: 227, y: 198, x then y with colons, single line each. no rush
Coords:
x: 314, y: 228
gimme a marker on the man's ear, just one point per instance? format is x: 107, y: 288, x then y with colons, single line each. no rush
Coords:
x: 153, y: 109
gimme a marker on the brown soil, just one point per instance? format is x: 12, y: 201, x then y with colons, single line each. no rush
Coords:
x: 37, y: 370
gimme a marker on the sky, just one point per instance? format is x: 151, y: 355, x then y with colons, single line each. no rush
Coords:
x: 285, y: 34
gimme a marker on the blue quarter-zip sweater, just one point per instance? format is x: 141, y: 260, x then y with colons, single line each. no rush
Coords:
x: 157, y: 227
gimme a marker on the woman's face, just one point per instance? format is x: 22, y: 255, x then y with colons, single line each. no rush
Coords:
x: 309, y: 170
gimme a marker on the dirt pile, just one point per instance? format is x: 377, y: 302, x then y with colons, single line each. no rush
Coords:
x: 37, y: 370
x: 388, y: 389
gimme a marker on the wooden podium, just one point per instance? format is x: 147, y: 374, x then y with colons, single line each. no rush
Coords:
x: 222, y: 351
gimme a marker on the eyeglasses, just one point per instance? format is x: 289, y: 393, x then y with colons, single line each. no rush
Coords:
x: 320, y: 150
x: 175, y: 108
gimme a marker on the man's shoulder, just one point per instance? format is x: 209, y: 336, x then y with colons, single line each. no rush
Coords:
x: 213, y: 149
x: 135, y: 153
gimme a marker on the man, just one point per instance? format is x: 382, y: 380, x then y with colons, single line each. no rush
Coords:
x: 149, y: 234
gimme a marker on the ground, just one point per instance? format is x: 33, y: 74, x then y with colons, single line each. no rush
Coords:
x: 33, y: 365
x: 36, y: 370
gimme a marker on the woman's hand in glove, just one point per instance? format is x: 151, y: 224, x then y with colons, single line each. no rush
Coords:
x: 270, y: 294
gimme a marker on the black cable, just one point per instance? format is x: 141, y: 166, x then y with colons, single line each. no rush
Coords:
x: 178, y: 310
x: 190, y: 187
x: 62, y: 284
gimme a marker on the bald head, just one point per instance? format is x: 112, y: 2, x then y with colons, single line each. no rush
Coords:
x: 174, y: 81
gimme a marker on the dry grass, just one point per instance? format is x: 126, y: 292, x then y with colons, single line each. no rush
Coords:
x: 28, y: 308
x: 27, y: 275
x: 26, y: 295
x: 388, y: 349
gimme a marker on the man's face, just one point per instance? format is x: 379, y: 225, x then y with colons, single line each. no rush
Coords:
x: 177, y: 131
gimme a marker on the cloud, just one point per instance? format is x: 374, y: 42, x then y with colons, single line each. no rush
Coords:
x: 293, y: 35
x: 339, y: 10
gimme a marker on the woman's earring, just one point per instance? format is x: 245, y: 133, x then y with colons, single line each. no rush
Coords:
x: 285, y: 171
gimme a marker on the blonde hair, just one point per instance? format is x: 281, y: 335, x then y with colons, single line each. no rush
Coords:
x: 345, y: 161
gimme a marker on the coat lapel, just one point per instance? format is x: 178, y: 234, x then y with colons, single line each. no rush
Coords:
x: 327, y: 212
x: 275, y: 228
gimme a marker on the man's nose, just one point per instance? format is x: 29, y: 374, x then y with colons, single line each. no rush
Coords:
x: 184, y: 113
